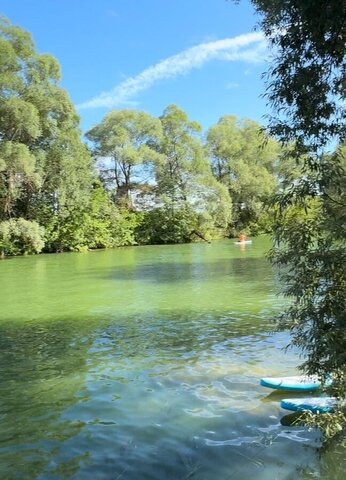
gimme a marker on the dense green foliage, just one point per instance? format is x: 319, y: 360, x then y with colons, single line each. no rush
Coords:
x: 244, y: 160
x: 19, y: 236
x: 167, y: 224
x: 185, y: 186
x: 124, y: 139
x: 158, y: 168
x: 47, y: 179
x: 45, y: 170
x: 144, y: 180
x: 306, y: 87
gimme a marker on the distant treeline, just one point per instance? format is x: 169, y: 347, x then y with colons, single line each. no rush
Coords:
x: 139, y: 180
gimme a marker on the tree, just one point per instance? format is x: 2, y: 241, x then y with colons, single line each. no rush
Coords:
x: 244, y: 160
x: 306, y: 88
x: 184, y: 184
x: 182, y: 156
x: 125, y: 138
x: 20, y: 124
x: 45, y: 170
x: 96, y: 224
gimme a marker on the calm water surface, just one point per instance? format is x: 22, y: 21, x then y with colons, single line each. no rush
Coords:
x: 143, y: 363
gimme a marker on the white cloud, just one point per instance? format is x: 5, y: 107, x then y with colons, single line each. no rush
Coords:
x: 249, y: 48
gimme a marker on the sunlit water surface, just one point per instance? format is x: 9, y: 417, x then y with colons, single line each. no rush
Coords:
x: 144, y: 363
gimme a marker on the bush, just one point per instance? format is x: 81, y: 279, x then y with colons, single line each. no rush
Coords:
x: 167, y: 225
x: 19, y: 236
x: 123, y: 228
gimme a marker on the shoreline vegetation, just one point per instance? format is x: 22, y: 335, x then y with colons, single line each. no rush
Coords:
x: 139, y: 180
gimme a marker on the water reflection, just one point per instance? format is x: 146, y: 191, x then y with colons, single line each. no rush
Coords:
x: 42, y: 370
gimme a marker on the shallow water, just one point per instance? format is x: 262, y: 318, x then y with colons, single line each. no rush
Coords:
x: 143, y: 363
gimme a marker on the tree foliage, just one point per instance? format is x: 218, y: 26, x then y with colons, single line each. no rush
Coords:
x: 184, y: 180
x: 160, y: 168
x: 306, y: 88
x: 44, y: 167
x: 19, y: 236
x: 182, y: 156
x: 245, y: 160
x: 167, y: 224
x: 46, y: 172
x: 124, y: 137
x: 151, y: 179
x: 306, y: 78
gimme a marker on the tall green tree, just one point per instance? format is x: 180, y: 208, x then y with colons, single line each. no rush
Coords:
x: 45, y: 170
x: 184, y: 181
x: 245, y: 161
x: 124, y: 141
x: 182, y: 153
x: 306, y: 88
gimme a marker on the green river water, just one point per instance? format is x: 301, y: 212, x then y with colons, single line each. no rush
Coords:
x: 143, y: 363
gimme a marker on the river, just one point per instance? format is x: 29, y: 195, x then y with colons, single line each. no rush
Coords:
x: 143, y: 363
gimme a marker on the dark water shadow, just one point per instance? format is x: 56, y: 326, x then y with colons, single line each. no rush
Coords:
x: 294, y: 419
x: 278, y: 395
x: 244, y: 269
x: 35, y: 362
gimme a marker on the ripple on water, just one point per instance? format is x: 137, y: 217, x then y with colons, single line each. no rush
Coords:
x: 144, y: 365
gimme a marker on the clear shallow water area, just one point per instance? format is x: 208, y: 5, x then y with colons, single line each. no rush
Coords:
x: 144, y: 363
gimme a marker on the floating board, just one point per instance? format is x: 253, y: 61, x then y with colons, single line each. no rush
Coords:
x: 299, y: 383
x: 315, y: 405
x: 245, y: 242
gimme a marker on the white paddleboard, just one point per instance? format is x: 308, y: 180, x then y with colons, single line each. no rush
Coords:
x: 299, y: 383
x: 315, y: 405
x: 245, y: 242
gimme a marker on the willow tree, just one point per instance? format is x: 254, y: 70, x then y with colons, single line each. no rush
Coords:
x: 306, y: 88
x: 245, y: 160
x: 123, y: 140
x: 186, y: 190
x: 45, y: 170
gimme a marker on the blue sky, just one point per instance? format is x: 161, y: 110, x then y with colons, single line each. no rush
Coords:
x: 202, y: 55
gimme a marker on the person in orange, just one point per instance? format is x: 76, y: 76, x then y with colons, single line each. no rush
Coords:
x: 242, y: 237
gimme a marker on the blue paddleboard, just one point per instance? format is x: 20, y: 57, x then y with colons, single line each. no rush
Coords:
x: 315, y: 405
x: 299, y: 383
